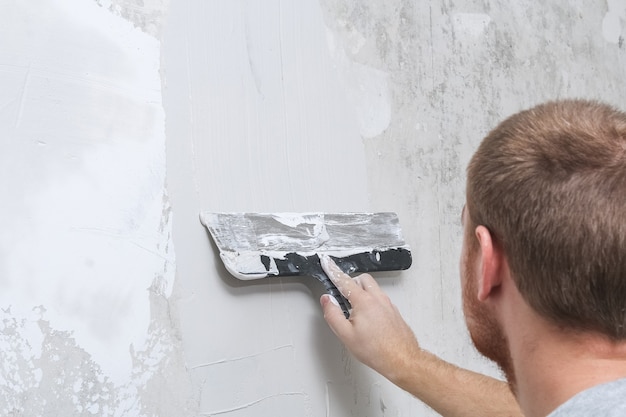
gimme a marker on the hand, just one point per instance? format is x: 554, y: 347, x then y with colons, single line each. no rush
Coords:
x: 375, y: 333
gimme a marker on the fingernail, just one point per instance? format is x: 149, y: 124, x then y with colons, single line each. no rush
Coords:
x: 331, y: 299
x: 327, y: 262
x: 331, y: 269
x: 324, y: 260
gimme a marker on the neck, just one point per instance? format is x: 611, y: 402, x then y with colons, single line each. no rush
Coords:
x: 552, y: 365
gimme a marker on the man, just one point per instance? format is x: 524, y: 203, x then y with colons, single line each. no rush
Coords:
x: 543, y: 274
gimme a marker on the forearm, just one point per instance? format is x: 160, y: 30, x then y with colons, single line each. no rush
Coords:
x: 455, y: 392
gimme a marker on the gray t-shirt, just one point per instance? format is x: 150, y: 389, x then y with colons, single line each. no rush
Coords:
x: 606, y: 400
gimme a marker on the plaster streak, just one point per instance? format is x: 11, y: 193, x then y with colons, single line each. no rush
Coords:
x: 366, y: 88
x: 613, y: 22
x: 252, y: 403
x: 221, y: 361
x: 255, y: 377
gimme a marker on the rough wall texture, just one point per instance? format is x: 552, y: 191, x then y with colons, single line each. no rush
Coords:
x: 331, y: 105
x: 452, y: 71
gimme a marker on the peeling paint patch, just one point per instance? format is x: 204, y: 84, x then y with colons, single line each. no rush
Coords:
x: 57, y: 375
x: 43, y: 370
x: 147, y: 15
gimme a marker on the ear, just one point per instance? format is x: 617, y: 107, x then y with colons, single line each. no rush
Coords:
x: 491, y: 261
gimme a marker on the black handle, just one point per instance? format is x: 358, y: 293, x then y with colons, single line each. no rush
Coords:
x: 333, y: 291
x: 302, y: 265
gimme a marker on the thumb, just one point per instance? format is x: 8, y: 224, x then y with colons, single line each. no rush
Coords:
x: 334, y: 315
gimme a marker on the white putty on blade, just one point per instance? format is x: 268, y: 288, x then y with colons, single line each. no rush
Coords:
x: 247, y: 265
x: 250, y: 244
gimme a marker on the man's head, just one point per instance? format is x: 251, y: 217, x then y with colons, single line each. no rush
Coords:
x: 549, y: 184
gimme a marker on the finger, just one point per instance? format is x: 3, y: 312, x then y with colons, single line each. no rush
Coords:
x: 344, y: 283
x: 367, y: 282
x: 334, y: 315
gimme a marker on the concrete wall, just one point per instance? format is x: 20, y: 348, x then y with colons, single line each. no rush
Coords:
x: 121, y: 120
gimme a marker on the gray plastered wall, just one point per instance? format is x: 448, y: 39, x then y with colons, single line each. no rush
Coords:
x: 121, y: 120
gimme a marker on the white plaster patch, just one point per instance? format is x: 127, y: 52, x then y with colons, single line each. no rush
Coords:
x: 354, y: 40
x: 472, y: 24
x: 367, y: 90
x: 85, y: 233
x: 613, y: 21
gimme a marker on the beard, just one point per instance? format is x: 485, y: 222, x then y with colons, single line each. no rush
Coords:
x: 485, y: 331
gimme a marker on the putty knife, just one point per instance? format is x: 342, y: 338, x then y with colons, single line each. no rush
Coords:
x: 259, y: 245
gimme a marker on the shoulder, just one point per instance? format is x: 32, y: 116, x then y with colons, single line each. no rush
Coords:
x: 607, y: 400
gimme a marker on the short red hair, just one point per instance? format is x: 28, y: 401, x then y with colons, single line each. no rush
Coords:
x: 550, y: 185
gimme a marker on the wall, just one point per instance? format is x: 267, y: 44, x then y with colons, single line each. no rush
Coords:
x: 86, y: 256
x: 121, y: 120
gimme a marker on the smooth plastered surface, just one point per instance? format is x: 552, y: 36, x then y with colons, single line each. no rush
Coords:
x: 86, y: 258
x: 121, y: 120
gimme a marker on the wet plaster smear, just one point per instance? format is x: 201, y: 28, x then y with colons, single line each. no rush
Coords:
x: 121, y: 120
